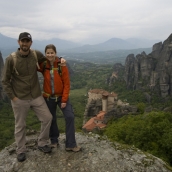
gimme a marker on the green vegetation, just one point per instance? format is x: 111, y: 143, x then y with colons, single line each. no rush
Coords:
x: 6, y: 125
x: 90, y: 76
x: 149, y: 132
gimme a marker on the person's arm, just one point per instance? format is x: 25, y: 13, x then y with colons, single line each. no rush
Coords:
x: 6, y: 78
x: 40, y: 69
x: 42, y: 58
x: 63, y: 60
x: 66, y: 81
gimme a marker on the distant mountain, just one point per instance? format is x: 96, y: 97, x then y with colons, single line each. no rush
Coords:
x: 6, y: 42
x: 59, y: 43
x: 115, y: 44
x: 111, y: 44
x: 8, y: 45
x: 142, y: 43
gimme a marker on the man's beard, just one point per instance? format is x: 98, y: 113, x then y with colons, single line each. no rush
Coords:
x: 25, y: 49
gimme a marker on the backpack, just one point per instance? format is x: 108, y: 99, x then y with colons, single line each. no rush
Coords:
x: 59, y: 68
x: 14, y: 56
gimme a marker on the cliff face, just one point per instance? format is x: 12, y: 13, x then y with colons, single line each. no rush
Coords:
x: 1, y: 68
x: 153, y: 71
x: 118, y: 72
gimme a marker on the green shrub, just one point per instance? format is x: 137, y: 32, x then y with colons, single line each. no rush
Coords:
x: 151, y: 132
x: 141, y: 107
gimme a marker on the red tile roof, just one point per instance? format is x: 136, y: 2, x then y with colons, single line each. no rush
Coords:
x: 101, y: 125
x: 103, y: 92
x: 89, y: 122
x: 112, y: 94
x: 101, y: 114
x: 97, y: 91
x: 90, y: 125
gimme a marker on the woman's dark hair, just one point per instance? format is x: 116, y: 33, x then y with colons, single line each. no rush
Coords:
x: 50, y: 46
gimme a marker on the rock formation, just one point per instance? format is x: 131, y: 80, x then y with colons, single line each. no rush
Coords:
x: 1, y: 68
x: 118, y: 72
x: 151, y: 72
x: 101, y: 100
x: 98, y: 154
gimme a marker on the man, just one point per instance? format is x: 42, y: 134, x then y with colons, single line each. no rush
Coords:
x: 20, y: 82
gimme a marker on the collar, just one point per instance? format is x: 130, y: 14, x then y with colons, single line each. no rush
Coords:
x: 21, y: 55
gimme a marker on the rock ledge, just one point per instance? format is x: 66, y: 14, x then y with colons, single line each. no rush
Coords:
x: 97, y: 155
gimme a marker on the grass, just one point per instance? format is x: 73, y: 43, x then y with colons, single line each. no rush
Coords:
x: 77, y: 92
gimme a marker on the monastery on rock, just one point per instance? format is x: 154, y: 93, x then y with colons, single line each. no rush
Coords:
x: 108, y: 102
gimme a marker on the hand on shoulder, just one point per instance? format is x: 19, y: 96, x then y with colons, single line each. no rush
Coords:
x: 63, y: 60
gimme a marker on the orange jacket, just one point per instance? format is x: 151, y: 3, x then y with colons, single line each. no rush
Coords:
x: 61, y: 83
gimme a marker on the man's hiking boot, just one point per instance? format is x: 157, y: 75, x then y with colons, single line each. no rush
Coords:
x: 54, y: 145
x: 21, y: 157
x: 75, y: 149
x: 45, y: 149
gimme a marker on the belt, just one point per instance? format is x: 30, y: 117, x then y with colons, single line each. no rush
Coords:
x: 51, y: 95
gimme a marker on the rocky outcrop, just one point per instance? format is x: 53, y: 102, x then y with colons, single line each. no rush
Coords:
x: 153, y: 71
x: 98, y: 154
x: 101, y: 100
x: 120, y: 110
x: 2, y: 95
x: 118, y: 72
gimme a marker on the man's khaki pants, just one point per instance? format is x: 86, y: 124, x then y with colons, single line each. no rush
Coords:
x: 21, y: 108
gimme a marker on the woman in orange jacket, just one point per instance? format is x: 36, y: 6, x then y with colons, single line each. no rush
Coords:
x: 56, y: 89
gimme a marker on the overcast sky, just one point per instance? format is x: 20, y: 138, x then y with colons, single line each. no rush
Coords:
x: 87, y: 21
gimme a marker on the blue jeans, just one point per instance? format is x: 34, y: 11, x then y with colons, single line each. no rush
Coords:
x: 69, y: 119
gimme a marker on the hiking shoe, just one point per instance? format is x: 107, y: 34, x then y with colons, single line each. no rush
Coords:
x: 75, y: 149
x: 21, y: 157
x: 54, y: 145
x: 45, y: 149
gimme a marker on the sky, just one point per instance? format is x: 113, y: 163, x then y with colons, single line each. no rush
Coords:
x: 87, y: 21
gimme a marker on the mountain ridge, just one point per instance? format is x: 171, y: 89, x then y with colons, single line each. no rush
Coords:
x: 10, y: 45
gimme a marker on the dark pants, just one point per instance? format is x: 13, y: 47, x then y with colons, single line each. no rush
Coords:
x: 69, y: 119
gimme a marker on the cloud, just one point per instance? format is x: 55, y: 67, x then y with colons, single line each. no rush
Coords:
x: 87, y: 21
